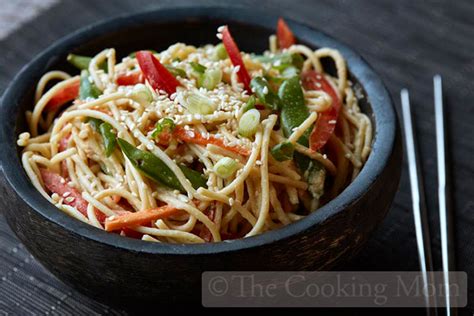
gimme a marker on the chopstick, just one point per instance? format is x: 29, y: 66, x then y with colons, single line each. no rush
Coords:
x: 445, y: 220
x: 418, y: 203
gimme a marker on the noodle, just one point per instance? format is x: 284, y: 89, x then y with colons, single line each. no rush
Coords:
x: 191, y: 171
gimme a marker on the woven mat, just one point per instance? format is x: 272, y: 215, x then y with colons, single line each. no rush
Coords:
x: 405, y: 41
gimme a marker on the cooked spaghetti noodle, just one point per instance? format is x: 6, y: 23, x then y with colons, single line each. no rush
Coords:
x: 196, y: 144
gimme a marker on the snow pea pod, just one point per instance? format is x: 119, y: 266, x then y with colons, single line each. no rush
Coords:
x: 154, y: 168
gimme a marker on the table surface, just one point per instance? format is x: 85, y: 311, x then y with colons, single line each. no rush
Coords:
x: 407, y: 42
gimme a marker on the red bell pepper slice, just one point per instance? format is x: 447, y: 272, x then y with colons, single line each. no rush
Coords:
x: 57, y: 184
x: 63, y: 96
x: 71, y: 92
x: 326, y: 122
x: 235, y: 57
x: 130, y: 79
x: 284, y: 35
x: 157, y: 75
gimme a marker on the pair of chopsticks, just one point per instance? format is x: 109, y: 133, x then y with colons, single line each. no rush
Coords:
x: 418, y: 198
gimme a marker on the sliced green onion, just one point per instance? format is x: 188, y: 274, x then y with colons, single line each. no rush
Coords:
x: 163, y: 125
x: 220, y: 52
x: 177, y: 72
x: 226, y: 167
x: 211, y: 78
x: 249, y: 122
x: 197, y: 67
x: 199, y: 104
x: 141, y: 94
x: 250, y: 104
x: 283, y: 151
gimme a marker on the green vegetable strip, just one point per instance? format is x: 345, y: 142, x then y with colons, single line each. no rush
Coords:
x: 196, y: 178
x: 293, y: 111
x: 150, y: 165
x: 82, y: 62
x: 109, y: 138
x: 282, y: 60
x: 106, y: 131
x: 154, y: 168
x: 283, y: 151
x: 87, y: 89
x: 264, y: 93
x: 94, y: 122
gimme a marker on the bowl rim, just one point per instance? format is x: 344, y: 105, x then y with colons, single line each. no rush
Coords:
x: 386, y: 125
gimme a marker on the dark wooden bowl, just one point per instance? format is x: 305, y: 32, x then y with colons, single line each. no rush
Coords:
x: 118, y: 269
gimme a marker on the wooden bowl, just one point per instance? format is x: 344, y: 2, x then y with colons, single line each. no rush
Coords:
x: 119, y: 269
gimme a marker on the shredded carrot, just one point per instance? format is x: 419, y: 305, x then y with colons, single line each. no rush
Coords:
x: 138, y: 218
x: 194, y: 137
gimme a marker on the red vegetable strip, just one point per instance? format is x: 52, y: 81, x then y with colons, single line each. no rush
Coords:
x: 127, y: 232
x: 326, y: 122
x: 130, y: 79
x: 71, y: 92
x: 284, y: 35
x: 139, y: 218
x: 63, y: 96
x: 191, y: 136
x: 236, y: 58
x: 57, y: 184
x: 157, y: 75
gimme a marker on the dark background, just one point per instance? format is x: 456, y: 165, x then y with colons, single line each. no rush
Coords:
x: 407, y: 42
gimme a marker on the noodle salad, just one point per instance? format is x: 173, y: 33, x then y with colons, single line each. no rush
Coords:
x: 196, y: 144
